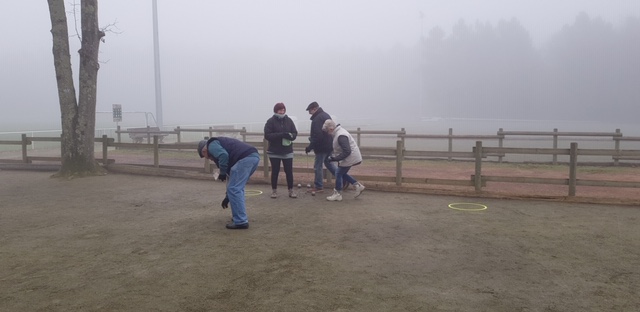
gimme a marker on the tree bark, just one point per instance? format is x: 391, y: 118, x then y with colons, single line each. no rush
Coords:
x: 77, y: 115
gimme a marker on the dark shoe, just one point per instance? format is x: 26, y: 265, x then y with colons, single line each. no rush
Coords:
x: 233, y: 226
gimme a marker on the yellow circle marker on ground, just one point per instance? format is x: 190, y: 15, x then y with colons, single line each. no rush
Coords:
x: 468, y: 206
x: 252, y: 192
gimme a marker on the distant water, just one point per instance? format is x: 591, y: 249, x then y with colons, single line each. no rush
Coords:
x: 491, y: 126
x: 414, y: 126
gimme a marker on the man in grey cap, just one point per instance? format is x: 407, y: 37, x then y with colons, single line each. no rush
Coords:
x: 237, y: 160
x: 321, y: 143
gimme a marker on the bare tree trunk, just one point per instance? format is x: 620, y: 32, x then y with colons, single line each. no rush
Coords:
x: 78, y: 117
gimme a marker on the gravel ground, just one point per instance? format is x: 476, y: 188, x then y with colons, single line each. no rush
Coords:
x: 139, y: 243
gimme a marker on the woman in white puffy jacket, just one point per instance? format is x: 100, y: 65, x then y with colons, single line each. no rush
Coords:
x: 347, y: 154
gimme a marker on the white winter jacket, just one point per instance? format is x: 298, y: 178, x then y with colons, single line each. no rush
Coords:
x: 354, y: 158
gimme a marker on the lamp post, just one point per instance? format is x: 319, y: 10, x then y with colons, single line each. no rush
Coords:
x: 156, y: 58
x: 421, y: 65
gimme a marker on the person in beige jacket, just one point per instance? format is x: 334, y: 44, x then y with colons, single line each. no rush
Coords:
x: 347, y: 154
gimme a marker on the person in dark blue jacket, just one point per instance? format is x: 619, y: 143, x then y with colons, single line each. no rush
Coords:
x: 237, y: 161
x: 321, y: 143
x: 280, y: 132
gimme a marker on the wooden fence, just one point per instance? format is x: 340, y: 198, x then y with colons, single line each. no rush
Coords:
x: 478, y: 153
x: 500, y: 138
x: 26, y: 141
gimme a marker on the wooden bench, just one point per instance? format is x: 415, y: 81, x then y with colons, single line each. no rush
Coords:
x: 138, y: 135
x: 225, y: 131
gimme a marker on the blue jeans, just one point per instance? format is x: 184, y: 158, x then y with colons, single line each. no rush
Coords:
x: 238, y: 177
x: 321, y: 158
x: 341, y: 173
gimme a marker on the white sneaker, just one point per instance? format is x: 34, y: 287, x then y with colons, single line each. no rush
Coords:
x: 293, y: 194
x: 336, y: 196
x: 359, y: 189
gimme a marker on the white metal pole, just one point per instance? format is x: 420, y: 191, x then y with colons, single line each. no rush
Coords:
x: 156, y: 57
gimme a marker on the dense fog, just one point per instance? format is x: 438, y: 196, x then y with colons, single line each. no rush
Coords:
x: 588, y: 70
x: 392, y: 60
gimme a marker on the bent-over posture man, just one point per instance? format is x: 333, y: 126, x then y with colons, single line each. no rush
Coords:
x: 237, y: 161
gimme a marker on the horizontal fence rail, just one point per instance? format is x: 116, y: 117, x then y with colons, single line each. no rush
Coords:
x: 477, y: 153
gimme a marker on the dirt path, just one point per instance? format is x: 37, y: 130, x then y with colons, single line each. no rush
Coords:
x: 136, y: 243
x: 423, y: 169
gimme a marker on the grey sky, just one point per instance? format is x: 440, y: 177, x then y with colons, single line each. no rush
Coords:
x: 192, y: 30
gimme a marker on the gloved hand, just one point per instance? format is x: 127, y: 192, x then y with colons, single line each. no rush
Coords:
x: 225, y: 203
x: 307, y: 149
x: 222, y: 177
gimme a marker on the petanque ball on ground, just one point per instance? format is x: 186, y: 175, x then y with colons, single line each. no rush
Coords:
x: 308, y: 185
x: 299, y: 185
x: 313, y: 193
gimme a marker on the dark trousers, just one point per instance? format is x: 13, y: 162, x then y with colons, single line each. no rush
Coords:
x: 275, y: 171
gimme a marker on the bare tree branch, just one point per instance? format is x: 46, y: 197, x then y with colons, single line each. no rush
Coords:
x: 75, y: 19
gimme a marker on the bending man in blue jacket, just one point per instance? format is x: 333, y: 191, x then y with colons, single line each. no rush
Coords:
x: 237, y: 160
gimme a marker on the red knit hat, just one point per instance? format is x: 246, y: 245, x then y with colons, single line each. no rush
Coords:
x: 278, y: 107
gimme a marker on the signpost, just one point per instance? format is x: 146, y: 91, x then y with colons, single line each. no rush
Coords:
x: 117, y: 113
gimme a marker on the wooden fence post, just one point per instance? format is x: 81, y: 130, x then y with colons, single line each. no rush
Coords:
x: 156, y: 152
x: 118, y: 133
x: 178, y: 134
x: 207, y: 165
x: 500, y: 143
x: 243, y: 133
x: 555, y: 145
x: 477, y: 179
x: 573, y: 166
x: 105, y: 145
x: 616, y: 160
x: 207, y: 162
x: 450, y: 143
x: 358, y: 137
x: 24, y: 149
x: 399, y: 158
x: 148, y: 135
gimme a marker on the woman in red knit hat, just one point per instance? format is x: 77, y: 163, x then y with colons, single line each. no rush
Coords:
x: 280, y: 132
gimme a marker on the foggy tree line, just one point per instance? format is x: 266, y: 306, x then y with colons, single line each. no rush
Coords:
x: 589, y: 70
